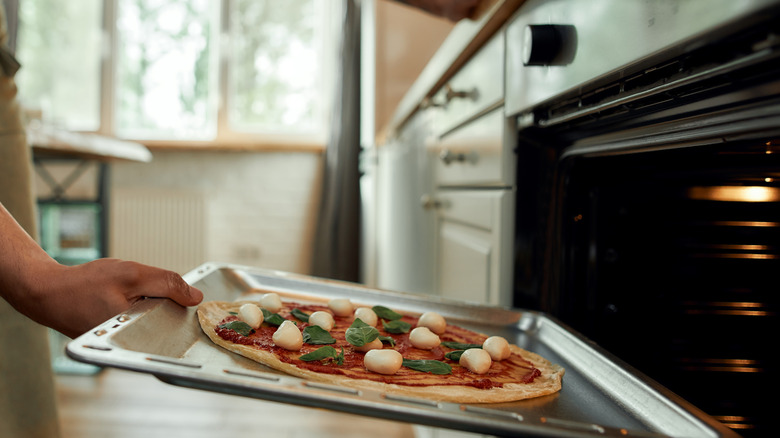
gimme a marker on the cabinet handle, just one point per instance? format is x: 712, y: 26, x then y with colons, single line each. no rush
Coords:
x: 447, y: 157
x: 428, y: 102
x: 450, y: 94
x: 428, y: 202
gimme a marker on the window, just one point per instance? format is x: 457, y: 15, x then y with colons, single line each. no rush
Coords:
x: 276, y: 68
x: 164, y: 69
x: 59, y: 46
x: 202, y: 70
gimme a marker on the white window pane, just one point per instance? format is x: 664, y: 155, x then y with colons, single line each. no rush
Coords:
x: 59, y: 47
x: 165, y: 73
x: 278, y: 74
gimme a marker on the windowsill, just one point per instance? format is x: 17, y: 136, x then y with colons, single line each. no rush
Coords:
x: 42, y: 136
x: 234, y: 146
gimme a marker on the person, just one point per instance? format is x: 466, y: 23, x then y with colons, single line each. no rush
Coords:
x: 37, y: 289
x: 74, y: 299
x: 38, y: 292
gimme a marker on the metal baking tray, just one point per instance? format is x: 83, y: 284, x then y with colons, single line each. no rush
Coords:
x: 600, y: 397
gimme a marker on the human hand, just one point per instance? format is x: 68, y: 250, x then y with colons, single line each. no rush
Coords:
x: 74, y: 299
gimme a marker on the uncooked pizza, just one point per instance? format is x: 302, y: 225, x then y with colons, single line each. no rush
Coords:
x: 378, y: 348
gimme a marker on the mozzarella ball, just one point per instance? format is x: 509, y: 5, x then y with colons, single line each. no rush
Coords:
x: 476, y: 360
x: 340, y: 306
x: 251, y: 314
x: 383, y: 361
x: 288, y: 336
x: 497, y: 347
x: 322, y: 319
x: 366, y: 315
x: 271, y: 302
x: 376, y: 344
x: 433, y: 321
x: 423, y: 338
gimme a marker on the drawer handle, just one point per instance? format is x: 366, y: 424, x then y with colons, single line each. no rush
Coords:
x: 428, y: 202
x: 428, y: 102
x: 447, y: 157
x: 450, y: 94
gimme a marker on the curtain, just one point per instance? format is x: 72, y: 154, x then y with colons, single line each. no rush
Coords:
x: 337, y: 240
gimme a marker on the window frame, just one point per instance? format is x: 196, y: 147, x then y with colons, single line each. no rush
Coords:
x: 225, y: 138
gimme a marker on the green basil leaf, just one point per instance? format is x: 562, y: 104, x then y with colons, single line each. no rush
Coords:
x: 454, y: 355
x: 428, y: 366
x: 388, y: 339
x: 300, y: 314
x: 385, y: 313
x: 360, y: 333
x: 233, y: 313
x: 396, y: 326
x: 459, y: 346
x: 316, y: 335
x: 239, y: 327
x: 358, y: 323
x: 322, y: 353
x: 272, y: 318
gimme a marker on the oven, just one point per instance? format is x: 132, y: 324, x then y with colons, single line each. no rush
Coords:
x: 648, y: 188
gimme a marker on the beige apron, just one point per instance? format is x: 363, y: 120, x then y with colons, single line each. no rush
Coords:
x: 27, y: 398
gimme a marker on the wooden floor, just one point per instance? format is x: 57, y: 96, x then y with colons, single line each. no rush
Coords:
x: 119, y: 404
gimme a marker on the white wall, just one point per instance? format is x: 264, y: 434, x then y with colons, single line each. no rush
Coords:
x: 260, y: 207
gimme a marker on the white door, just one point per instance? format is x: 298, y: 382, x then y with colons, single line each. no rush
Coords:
x: 471, y: 253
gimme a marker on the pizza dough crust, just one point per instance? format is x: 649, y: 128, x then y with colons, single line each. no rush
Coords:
x: 213, y: 312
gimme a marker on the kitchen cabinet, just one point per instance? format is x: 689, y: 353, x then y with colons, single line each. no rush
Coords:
x: 472, y: 90
x: 473, y: 174
x: 445, y: 190
x: 471, y: 231
x: 473, y: 198
x: 404, y: 239
x: 397, y: 242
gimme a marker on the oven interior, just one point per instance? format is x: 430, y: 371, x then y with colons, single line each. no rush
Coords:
x: 648, y: 218
x: 671, y: 261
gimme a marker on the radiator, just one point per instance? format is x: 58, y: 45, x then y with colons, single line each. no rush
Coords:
x: 166, y: 229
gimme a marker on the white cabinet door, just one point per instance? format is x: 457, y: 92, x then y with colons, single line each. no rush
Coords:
x: 474, y: 242
x: 465, y: 254
x: 404, y: 232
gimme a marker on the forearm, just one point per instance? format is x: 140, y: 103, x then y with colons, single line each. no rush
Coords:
x: 73, y: 299
x: 22, y: 261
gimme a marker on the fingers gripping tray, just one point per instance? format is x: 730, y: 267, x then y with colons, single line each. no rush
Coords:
x: 600, y: 395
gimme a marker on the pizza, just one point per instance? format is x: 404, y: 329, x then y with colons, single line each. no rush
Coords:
x: 377, y: 348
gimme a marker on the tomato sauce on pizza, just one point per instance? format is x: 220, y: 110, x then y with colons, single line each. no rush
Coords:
x: 514, y: 369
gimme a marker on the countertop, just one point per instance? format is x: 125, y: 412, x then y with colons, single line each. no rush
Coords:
x: 50, y: 141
